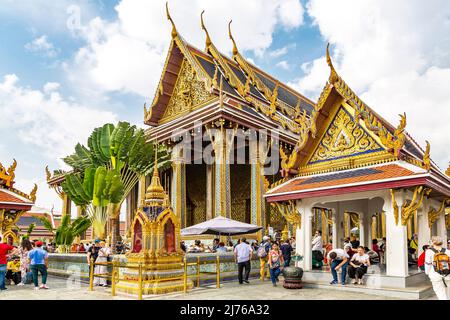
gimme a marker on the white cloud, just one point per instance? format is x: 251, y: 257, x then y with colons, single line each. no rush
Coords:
x: 46, y: 121
x: 51, y: 86
x: 283, y: 65
x: 395, y: 55
x: 43, y: 46
x: 278, y: 52
x: 128, y: 54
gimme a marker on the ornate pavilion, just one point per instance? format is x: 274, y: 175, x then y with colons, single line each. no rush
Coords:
x: 13, y: 203
x: 365, y: 173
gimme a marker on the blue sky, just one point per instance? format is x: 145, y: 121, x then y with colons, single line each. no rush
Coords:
x: 58, y: 83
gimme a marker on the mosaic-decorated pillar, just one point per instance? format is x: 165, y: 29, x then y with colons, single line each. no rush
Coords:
x: 257, y: 191
x: 178, y: 188
x: 222, y: 187
x: 209, y: 191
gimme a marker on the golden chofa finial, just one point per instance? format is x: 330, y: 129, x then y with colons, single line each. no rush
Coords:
x: 426, y: 161
x: 235, y: 49
x: 333, y: 74
x: 208, y: 39
x: 33, y: 193
x: 47, y: 173
x: 174, y: 29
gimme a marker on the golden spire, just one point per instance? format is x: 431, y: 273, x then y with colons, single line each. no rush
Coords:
x: 235, y: 49
x: 333, y: 74
x: 208, y: 39
x: 174, y: 29
x: 155, y: 194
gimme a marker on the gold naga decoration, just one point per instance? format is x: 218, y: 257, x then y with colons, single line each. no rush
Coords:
x: 434, y: 214
x: 289, y: 212
x: 393, y: 142
x: 307, y: 126
x: 8, y: 175
x: 174, y: 29
x: 273, y: 99
x: 426, y: 161
x: 48, y: 173
x: 447, y: 172
x: 33, y: 193
x: 247, y: 69
x: 408, y: 208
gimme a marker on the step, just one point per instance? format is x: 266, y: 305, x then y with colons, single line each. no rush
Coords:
x: 414, y: 293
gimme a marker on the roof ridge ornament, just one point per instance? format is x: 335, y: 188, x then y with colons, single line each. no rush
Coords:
x: 208, y: 39
x: 426, y: 161
x: 235, y: 49
x: 174, y: 29
x: 333, y: 74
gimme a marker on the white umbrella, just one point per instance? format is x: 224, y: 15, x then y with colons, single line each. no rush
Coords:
x: 355, y: 230
x: 220, y: 225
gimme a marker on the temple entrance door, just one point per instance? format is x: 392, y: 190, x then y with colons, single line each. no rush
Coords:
x: 137, y: 241
x: 169, y: 236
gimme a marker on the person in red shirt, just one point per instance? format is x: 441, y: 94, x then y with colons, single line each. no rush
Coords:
x: 421, y: 260
x: 4, y: 249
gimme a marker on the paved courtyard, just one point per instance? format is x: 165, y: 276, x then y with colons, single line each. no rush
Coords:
x: 61, y: 289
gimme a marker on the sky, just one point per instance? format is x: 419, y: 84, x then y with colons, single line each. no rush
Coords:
x: 67, y: 67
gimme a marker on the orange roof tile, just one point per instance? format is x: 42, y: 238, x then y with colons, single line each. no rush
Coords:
x: 345, y: 177
x: 8, y: 197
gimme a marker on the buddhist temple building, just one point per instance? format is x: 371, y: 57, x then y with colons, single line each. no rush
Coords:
x: 13, y: 203
x: 215, y: 100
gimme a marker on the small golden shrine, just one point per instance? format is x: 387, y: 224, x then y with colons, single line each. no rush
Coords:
x: 13, y: 203
x: 155, y: 234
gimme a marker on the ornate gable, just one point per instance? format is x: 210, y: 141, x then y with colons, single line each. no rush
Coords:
x: 343, y: 138
x: 188, y: 94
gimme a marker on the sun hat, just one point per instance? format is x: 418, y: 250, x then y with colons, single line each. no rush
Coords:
x: 266, y: 238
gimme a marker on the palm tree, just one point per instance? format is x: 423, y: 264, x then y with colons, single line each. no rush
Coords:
x: 125, y: 156
x: 67, y: 231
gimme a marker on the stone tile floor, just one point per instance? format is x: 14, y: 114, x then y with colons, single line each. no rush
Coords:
x: 61, y: 289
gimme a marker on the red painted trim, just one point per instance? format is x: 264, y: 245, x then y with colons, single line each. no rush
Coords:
x: 16, y: 206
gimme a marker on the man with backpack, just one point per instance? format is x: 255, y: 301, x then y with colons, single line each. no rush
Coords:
x: 437, y: 267
x: 263, y: 253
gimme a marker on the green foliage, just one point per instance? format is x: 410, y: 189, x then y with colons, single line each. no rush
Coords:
x: 68, y: 230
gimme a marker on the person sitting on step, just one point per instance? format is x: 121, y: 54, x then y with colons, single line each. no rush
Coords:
x: 358, y: 265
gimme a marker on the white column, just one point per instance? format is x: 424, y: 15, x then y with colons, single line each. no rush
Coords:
x: 362, y: 230
x: 441, y: 229
x: 335, y: 240
x: 308, y: 238
x: 209, y: 192
x: 300, y: 236
x: 424, y: 232
x: 396, y: 240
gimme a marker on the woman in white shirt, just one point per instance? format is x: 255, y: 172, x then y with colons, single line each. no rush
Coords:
x: 358, y: 266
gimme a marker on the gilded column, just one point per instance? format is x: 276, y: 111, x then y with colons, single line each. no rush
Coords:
x: 222, y: 203
x: 67, y: 204
x: 178, y: 187
x: 257, y: 190
x: 209, y: 191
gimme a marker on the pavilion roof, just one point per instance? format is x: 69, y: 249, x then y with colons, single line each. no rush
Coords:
x: 382, y: 176
x: 239, y: 79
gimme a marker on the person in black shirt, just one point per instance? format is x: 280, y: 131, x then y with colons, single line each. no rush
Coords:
x: 355, y: 243
x: 93, y: 251
x: 286, y: 249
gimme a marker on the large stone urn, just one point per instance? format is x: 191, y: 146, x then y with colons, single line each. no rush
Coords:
x: 293, y: 276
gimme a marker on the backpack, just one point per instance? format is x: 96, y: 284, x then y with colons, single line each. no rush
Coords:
x: 262, y: 253
x: 441, y: 262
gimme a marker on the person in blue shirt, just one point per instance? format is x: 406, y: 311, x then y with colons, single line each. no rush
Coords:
x: 38, y: 263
